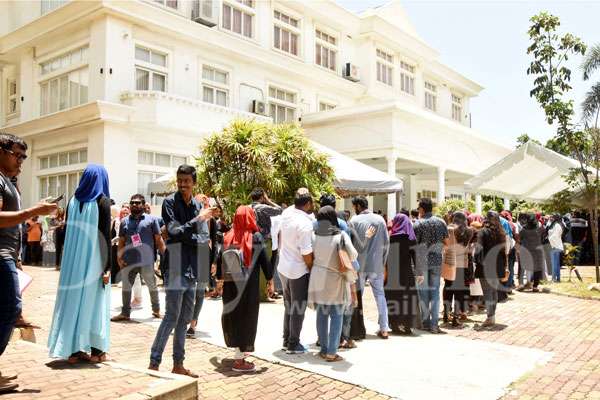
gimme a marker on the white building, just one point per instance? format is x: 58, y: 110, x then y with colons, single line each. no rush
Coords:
x: 135, y: 84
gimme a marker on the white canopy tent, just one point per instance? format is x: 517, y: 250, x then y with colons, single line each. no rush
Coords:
x: 351, y: 177
x: 531, y: 172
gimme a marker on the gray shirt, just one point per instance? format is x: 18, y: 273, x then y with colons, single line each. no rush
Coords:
x: 372, y: 253
x: 10, y: 238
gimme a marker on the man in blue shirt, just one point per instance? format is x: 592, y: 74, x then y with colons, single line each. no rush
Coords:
x: 188, y: 259
x: 139, y: 238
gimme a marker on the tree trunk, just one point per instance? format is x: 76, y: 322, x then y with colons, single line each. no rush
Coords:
x: 594, y: 224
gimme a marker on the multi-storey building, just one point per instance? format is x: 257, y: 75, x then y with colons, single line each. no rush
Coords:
x: 136, y: 84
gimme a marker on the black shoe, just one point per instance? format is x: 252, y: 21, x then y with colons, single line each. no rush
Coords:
x: 191, y: 333
x: 437, y: 331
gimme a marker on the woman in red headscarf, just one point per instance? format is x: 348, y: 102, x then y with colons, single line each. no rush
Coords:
x: 242, y: 256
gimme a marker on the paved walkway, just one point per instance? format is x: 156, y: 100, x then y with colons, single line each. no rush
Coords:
x: 566, y: 329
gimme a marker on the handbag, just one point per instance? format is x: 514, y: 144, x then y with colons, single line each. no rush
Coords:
x: 345, y: 265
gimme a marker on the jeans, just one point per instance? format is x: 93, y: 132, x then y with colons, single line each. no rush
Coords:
x: 512, y: 256
x: 347, y: 322
x: 329, y: 327
x: 490, y: 295
x: 178, y: 313
x: 376, y: 280
x: 555, y: 258
x: 129, y: 275
x: 10, y: 300
x: 295, y: 294
x: 429, y: 297
x: 200, y: 289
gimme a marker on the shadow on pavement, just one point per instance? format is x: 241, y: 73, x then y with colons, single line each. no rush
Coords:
x: 63, y: 364
x: 224, y: 367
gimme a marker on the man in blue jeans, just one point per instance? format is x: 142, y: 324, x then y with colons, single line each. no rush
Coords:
x: 188, y: 258
x: 432, y: 236
x: 12, y: 155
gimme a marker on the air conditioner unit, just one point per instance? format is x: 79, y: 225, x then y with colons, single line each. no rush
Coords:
x: 206, y: 12
x: 351, y: 72
x: 259, y: 107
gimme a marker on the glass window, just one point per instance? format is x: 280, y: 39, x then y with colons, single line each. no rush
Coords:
x: 142, y: 54
x: 145, y: 157
x: 325, y: 50
x: 83, y: 156
x: 64, y: 91
x: 177, y: 161
x: 73, y: 157
x: 63, y: 159
x: 385, y: 67
x: 237, y: 19
x: 142, y: 79
x: 68, y: 59
x: 430, y: 96
x: 43, y: 162
x: 53, y: 161
x: 43, y: 188
x: 163, y: 160
x: 159, y: 82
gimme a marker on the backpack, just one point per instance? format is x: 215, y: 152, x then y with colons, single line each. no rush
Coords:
x: 232, y: 265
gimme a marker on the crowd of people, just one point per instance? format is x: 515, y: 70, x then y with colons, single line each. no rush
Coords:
x: 308, y: 253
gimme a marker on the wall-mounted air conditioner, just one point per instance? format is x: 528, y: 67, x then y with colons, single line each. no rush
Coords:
x: 259, y: 107
x: 351, y: 72
x: 206, y: 12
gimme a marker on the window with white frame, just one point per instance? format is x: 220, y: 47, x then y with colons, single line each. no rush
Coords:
x: 456, y: 108
x: 63, y: 159
x: 168, y: 3
x: 151, y: 69
x: 56, y: 185
x: 215, y: 86
x: 385, y: 67
x: 407, y: 78
x: 325, y: 50
x: 64, y: 91
x: 49, y: 5
x: 282, y: 105
x: 286, y: 33
x: 430, y: 96
x: 160, y: 159
x: 324, y: 106
x: 238, y: 17
x: 66, y: 60
x: 12, y: 101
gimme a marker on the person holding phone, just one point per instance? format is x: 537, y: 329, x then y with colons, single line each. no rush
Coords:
x: 13, y: 151
x: 80, y: 325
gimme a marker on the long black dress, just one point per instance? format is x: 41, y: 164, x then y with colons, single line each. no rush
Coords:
x: 400, y: 289
x: 240, y: 310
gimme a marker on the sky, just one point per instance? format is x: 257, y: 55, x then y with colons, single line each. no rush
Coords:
x: 486, y: 41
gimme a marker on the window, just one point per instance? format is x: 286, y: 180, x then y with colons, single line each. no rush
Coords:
x: 12, y: 97
x: 238, y: 17
x: 325, y: 106
x: 325, y: 50
x: 64, y: 91
x: 430, y: 96
x: 432, y: 194
x: 215, y: 86
x: 168, y: 3
x: 407, y: 78
x: 144, y: 178
x: 385, y: 67
x: 72, y: 58
x: 63, y: 159
x: 49, y: 5
x: 150, y: 70
x: 282, y: 105
x: 456, y: 108
x: 286, y: 33
x: 160, y: 159
x: 55, y: 185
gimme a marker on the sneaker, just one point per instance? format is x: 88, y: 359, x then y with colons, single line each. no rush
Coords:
x: 243, y: 366
x: 298, y: 349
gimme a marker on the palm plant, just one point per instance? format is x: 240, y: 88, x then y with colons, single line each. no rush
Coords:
x: 591, y: 103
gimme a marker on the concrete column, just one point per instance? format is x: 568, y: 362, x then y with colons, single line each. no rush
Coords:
x: 507, y: 204
x: 412, y: 191
x: 441, y: 171
x: 478, y: 209
x: 391, y: 198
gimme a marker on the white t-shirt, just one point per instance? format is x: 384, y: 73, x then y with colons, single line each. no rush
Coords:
x: 295, y: 241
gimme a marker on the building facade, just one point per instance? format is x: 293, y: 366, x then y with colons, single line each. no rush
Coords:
x: 135, y: 85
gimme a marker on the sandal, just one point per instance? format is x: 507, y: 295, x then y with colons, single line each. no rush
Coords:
x: 80, y: 356
x: 383, y: 335
x: 100, y: 358
x: 334, y: 358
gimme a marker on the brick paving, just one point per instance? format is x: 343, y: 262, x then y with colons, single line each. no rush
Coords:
x: 568, y: 327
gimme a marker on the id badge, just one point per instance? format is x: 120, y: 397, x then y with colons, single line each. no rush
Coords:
x: 136, y: 240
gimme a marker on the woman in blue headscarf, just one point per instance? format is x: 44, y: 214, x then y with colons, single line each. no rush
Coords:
x: 80, y: 325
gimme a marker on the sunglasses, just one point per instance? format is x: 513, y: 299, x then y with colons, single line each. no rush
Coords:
x: 135, y: 202
x: 16, y: 155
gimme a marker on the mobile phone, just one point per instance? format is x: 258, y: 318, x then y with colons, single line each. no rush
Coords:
x: 56, y: 200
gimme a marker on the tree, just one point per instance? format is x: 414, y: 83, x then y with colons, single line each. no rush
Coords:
x: 524, y: 138
x: 248, y: 154
x: 591, y: 103
x: 550, y: 53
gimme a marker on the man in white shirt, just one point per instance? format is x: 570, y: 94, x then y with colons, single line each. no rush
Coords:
x: 295, y: 262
